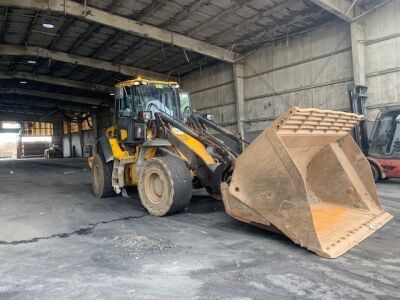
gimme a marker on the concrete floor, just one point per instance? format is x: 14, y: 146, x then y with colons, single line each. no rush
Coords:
x: 59, y: 241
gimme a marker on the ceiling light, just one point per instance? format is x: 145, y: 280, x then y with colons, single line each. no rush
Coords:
x: 32, y: 62
x: 23, y: 82
x: 112, y: 94
x: 48, y: 25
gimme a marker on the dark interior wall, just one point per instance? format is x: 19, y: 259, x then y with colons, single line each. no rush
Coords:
x: 57, y: 137
x: 102, y: 120
x: 88, y: 140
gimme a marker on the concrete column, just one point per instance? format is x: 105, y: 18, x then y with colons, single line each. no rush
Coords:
x: 58, y: 134
x: 358, y: 52
x: 69, y: 138
x: 61, y: 135
x: 95, y: 132
x: 238, y: 78
x: 81, y: 137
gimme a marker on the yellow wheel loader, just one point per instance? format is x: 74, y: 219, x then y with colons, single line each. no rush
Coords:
x: 304, y: 176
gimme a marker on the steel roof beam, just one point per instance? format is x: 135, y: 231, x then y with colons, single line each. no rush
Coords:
x: 7, y: 116
x: 211, y: 20
x: 54, y: 96
x: 3, y: 27
x: 57, y: 81
x: 28, y: 101
x: 263, y: 14
x: 105, y: 18
x: 187, y: 11
x: 344, y: 9
x: 19, y: 109
x: 149, y: 10
x: 12, y: 50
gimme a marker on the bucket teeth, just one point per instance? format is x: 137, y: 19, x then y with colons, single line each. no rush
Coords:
x: 306, y: 177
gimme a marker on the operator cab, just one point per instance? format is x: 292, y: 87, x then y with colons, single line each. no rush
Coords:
x: 385, y: 136
x: 139, y: 99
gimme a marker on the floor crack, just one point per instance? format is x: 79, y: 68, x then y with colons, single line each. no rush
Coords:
x: 81, y: 231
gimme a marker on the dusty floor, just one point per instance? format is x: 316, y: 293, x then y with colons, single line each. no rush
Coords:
x: 57, y: 241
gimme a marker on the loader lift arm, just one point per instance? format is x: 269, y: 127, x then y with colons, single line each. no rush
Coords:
x: 209, y: 175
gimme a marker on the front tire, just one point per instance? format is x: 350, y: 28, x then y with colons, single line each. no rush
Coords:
x: 165, y: 185
x: 102, y: 177
x: 375, y: 173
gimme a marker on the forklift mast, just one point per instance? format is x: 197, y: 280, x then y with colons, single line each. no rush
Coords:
x: 382, y: 147
x: 358, y: 97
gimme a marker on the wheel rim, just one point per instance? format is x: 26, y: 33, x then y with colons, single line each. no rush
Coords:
x: 154, y: 187
x: 96, y: 177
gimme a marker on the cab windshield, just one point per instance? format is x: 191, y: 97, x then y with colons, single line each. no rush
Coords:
x: 151, y: 97
x: 385, y: 139
x: 184, y: 104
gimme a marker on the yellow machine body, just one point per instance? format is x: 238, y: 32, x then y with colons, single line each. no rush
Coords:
x: 303, y: 176
x: 131, y: 173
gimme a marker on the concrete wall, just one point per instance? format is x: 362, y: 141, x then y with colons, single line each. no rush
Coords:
x: 212, y: 91
x: 309, y: 70
x: 382, y: 34
x: 313, y: 69
x: 102, y: 120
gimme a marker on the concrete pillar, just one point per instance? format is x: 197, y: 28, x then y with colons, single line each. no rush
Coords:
x: 57, y: 138
x: 358, y: 52
x: 81, y: 137
x: 69, y: 139
x: 95, y: 132
x: 238, y: 78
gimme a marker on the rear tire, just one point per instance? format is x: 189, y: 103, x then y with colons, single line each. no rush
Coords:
x: 375, y: 173
x: 165, y: 185
x: 102, y: 177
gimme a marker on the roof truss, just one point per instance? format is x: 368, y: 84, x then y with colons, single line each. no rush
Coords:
x: 124, y: 24
x: 12, y: 50
x: 50, y: 95
x: 57, y: 81
x: 344, y: 9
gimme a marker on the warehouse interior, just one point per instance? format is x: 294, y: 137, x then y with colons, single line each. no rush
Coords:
x: 245, y: 62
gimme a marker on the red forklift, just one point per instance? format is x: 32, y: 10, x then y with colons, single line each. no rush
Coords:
x: 382, y: 148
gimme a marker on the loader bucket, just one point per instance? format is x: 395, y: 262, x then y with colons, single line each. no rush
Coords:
x: 306, y: 177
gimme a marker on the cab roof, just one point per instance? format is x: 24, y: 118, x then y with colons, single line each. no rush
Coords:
x: 147, y: 81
